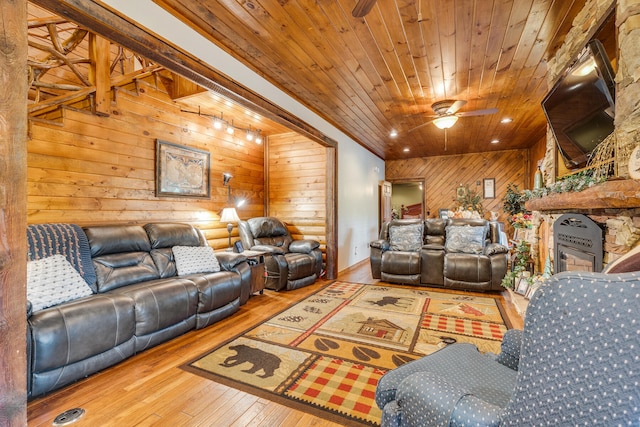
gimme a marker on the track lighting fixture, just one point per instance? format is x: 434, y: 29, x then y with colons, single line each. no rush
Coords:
x: 220, y: 123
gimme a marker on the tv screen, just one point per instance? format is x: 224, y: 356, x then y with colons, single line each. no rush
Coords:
x: 580, y: 106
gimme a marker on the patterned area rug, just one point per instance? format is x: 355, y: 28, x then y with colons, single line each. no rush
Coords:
x: 325, y: 354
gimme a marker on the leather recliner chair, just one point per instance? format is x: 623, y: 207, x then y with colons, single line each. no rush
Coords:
x: 289, y: 263
x: 456, y: 253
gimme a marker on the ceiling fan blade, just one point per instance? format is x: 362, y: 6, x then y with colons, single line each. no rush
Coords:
x: 362, y: 8
x: 419, y: 126
x: 455, y: 107
x: 477, y: 112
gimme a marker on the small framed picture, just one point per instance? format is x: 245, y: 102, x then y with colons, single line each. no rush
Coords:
x: 489, y: 188
x: 522, y: 285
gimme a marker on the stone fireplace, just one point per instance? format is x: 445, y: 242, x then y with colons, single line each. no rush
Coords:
x: 577, y: 243
x: 613, y: 206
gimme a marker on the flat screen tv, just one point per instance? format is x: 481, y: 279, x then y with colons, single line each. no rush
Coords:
x: 580, y: 106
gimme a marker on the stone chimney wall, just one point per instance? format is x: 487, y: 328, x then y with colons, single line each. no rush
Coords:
x: 627, y: 120
x: 622, y: 226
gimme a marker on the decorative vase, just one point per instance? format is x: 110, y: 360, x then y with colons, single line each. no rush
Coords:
x: 537, y: 179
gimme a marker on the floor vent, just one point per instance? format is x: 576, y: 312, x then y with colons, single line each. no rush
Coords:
x: 68, y: 417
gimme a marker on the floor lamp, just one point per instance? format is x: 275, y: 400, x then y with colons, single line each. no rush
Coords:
x: 229, y: 214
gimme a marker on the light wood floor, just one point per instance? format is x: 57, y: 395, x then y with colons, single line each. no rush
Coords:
x: 149, y: 388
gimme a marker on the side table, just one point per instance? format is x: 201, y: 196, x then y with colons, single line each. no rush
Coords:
x: 258, y: 273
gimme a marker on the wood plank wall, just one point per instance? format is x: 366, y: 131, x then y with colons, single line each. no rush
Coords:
x: 87, y: 169
x: 297, y: 185
x: 443, y: 174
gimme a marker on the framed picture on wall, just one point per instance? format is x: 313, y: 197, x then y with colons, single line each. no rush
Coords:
x: 489, y: 188
x: 181, y: 171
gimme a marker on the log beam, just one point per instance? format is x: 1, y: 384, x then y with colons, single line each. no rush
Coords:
x: 13, y: 215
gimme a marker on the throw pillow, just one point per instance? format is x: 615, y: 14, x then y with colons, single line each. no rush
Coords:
x: 406, y: 237
x: 195, y: 259
x: 52, y: 281
x: 465, y: 239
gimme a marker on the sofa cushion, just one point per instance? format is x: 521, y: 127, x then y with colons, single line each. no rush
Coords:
x: 465, y: 239
x: 195, y: 259
x: 52, y: 281
x: 80, y: 329
x: 406, y: 237
x: 167, y: 235
x: 269, y: 231
x: 114, y: 239
x: 118, y: 270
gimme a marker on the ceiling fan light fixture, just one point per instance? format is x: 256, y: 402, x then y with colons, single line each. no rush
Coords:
x: 445, y: 122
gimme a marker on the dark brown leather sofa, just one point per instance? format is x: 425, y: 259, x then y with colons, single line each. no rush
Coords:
x: 455, y: 253
x: 138, y: 300
x: 290, y: 264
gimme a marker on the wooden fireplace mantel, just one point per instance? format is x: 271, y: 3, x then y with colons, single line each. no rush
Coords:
x: 618, y: 194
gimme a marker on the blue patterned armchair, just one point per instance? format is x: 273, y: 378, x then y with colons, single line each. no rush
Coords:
x: 576, y: 362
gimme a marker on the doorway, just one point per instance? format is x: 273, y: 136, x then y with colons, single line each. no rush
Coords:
x: 407, y: 199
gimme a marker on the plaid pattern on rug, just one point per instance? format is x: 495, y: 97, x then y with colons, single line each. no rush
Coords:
x: 325, y: 354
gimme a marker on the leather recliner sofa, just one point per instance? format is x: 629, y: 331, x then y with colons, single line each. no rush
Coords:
x: 289, y: 263
x: 138, y: 300
x: 453, y: 253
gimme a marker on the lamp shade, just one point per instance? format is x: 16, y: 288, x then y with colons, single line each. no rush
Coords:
x: 445, y: 122
x: 229, y: 215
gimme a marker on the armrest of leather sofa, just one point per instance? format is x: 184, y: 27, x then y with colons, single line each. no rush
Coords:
x: 303, y: 246
x: 510, y: 349
x: 495, y: 249
x: 383, y: 245
x: 230, y: 260
x: 271, y: 250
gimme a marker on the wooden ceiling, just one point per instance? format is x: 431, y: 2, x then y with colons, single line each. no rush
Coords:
x: 371, y: 75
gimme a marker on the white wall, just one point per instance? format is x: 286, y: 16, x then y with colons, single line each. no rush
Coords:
x: 359, y: 173
x: 358, y: 169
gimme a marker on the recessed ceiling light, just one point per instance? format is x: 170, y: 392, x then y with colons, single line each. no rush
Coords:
x: 506, y: 120
x: 405, y: 149
x: 393, y: 133
x: 495, y: 141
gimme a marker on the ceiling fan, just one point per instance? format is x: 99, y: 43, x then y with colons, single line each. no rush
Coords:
x: 362, y: 8
x: 446, y: 113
